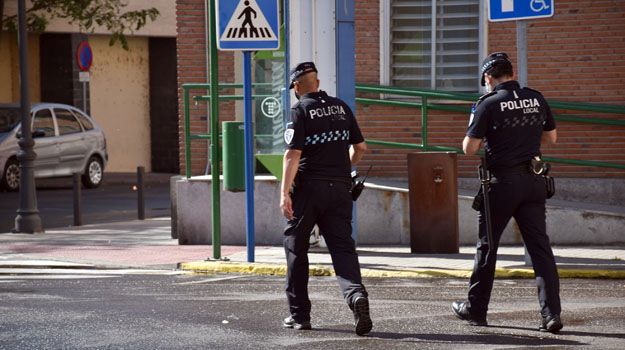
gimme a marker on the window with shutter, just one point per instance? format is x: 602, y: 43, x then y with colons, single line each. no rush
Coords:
x: 435, y: 44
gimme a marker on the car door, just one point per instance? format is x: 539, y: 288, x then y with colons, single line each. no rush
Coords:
x: 72, y: 143
x: 46, y: 146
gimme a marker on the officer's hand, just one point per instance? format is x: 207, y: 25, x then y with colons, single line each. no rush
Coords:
x: 286, y: 205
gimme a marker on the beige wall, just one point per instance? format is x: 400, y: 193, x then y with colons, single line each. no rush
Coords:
x: 120, y: 101
x: 6, y: 72
x: 164, y: 25
x: 10, y: 69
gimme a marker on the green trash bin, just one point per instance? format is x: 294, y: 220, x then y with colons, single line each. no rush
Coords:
x: 234, y: 156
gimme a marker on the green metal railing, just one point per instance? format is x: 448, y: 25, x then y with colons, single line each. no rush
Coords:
x: 188, y: 137
x: 425, y: 105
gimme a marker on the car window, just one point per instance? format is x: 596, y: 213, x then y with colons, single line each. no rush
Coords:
x: 86, y: 123
x: 43, y: 121
x: 66, y: 121
x: 9, y: 118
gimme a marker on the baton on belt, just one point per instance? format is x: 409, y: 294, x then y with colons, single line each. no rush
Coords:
x: 485, y: 181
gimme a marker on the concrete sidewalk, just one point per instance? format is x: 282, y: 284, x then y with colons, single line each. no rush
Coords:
x: 148, y: 244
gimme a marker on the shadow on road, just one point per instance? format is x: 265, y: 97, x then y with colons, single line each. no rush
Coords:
x: 569, y: 262
x: 575, y: 333
x: 487, y: 339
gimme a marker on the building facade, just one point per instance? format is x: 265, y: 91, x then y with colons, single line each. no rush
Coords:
x: 131, y: 93
x: 578, y: 55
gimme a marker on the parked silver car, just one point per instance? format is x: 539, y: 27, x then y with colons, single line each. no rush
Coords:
x: 67, y: 141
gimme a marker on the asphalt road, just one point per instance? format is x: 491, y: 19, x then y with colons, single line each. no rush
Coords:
x: 110, y: 202
x: 245, y: 312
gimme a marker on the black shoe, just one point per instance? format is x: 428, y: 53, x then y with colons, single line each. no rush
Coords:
x: 551, y: 324
x: 461, y: 310
x: 362, y: 320
x: 290, y: 322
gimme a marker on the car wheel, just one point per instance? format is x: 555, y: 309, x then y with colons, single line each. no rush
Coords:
x: 94, y: 172
x: 11, y: 178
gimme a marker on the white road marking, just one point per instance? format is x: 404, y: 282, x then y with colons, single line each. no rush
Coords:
x: 209, y: 280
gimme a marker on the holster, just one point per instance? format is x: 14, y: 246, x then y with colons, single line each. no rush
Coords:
x: 478, y: 201
x: 550, y: 184
x: 357, y: 188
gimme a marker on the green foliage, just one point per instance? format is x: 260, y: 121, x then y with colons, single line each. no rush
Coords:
x: 87, y: 14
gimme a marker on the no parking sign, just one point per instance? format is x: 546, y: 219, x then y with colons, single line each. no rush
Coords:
x: 84, y: 56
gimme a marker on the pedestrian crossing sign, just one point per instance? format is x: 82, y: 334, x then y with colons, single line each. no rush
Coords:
x: 248, y: 25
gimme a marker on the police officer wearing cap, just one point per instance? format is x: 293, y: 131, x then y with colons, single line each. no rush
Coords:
x: 315, y: 189
x: 512, y: 123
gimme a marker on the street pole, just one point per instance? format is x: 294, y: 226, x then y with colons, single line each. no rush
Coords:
x: 521, y: 57
x: 28, y: 219
x: 249, y: 153
x: 214, y: 129
x: 521, y: 51
x: 346, y: 68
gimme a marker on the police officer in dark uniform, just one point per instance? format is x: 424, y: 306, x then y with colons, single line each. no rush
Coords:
x: 315, y: 189
x: 512, y: 122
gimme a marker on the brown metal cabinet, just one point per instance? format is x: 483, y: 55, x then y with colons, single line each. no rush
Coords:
x: 433, y: 194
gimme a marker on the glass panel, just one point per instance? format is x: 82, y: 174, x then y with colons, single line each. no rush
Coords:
x: 86, y: 123
x: 43, y: 121
x: 9, y: 118
x: 411, y: 43
x: 268, y: 117
x: 67, y: 122
x: 457, y: 46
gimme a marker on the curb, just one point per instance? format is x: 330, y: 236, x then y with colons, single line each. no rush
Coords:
x: 264, y: 269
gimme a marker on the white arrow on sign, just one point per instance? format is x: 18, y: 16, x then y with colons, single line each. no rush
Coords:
x: 249, y: 23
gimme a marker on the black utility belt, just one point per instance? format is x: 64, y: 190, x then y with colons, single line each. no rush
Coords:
x: 534, y: 166
x: 522, y: 168
x: 342, y: 180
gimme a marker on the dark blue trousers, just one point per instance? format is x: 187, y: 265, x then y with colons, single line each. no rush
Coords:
x: 329, y: 205
x: 521, y: 196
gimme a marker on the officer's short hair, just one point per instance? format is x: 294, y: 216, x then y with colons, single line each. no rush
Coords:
x: 502, y: 70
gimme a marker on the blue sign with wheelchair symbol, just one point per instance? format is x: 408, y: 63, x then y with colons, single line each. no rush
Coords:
x: 510, y: 10
x: 248, y: 25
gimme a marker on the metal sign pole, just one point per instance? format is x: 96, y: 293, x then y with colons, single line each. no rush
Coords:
x: 249, y: 153
x: 346, y: 69
x: 84, y: 97
x: 247, y: 26
x: 214, y: 141
x: 521, y: 57
x: 286, y: 92
x: 521, y: 51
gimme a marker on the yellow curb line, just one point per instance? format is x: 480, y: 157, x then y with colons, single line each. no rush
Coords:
x: 213, y: 267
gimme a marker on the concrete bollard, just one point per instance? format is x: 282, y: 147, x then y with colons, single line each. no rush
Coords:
x: 140, y: 194
x: 77, y: 200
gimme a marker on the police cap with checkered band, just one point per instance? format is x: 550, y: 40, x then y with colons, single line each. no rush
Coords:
x: 493, y: 60
x: 301, y: 69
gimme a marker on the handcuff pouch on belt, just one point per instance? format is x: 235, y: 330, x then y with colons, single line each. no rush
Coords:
x: 539, y: 167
